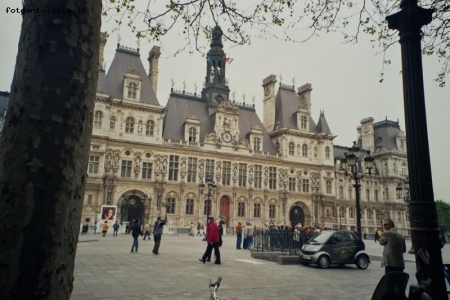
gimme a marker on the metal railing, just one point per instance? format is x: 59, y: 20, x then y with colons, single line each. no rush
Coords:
x: 270, y: 240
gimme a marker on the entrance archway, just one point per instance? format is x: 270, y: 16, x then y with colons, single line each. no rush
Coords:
x: 296, y: 216
x: 132, y: 208
x: 225, y: 209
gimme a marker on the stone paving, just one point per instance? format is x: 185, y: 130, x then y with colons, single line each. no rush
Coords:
x: 105, y: 269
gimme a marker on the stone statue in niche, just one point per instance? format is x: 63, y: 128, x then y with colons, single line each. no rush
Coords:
x: 109, y: 160
x: 138, y: 161
x: 116, y: 159
x: 226, y: 123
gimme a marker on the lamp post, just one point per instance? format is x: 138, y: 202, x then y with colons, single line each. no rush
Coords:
x: 350, y: 165
x: 403, y: 194
x: 210, y: 184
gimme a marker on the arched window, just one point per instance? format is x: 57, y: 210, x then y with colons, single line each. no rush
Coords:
x: 257, y: 144
x: 352, y: 213
x: 303, y: 122
x: 129, y: 125
x: 112, y: 123
x: 150, y: 128
x: 291, y: 148
x: 98, y: 119
x: 305, y: 150
x: 132, y: 90
x: 327, y: 152
x: 193, y: 134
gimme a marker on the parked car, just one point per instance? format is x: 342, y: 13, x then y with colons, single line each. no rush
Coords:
x: 335, y: 247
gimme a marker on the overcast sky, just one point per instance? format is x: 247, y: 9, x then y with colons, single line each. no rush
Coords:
x: 345, y: 80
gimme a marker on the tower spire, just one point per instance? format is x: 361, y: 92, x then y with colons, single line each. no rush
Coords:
x: 215, y: 59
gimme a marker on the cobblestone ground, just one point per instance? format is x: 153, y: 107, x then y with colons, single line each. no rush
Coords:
x: 105, y: 269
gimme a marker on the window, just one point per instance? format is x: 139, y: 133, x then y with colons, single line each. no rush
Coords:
x: 257, y: 144
x: 93, y: 164
x: 369, y: 214
x: 112, y: 123
x: 150, y: 128
x: 291, y: 148
x: 129, y: 125
x: 305, y: 150
x: 407, y: 217
x: 192, y: 135
x: 342, y: 212
x: 352, y: 213
x: 327, y: 152
x: 328, y: 212
x: 328, y: 186
x: 305, y: 185
x: 350, y: 195
x: 170, y: 208
x: 98, y: 119
x: 189, y: 206
x: 209, y: 169
x: 272, y: 211
x: 368, y: 194
x: 192, y: 169
x: 258, y: 176
x: 126, y: 168
x: 173, y: 167
x: 242, y: 175
x: 132, y: 90
x: 291, y: 184
x: 257, y: 210
x: 226, y: 173
x: 303, y: 122
x: 147, y: 170
x: 387, y: 193
x: 272, y: 178
x: 341, y: 192
x: 399, y: 216
x: 404, y: 169
x: 333, y: 212
x: 375, y: 195
x: 315, y: 151
x: 241, y: 209
x: 89, y: 200
x: 207, y: 207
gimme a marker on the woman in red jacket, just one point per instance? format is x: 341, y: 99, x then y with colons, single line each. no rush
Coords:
x: 213, y: 240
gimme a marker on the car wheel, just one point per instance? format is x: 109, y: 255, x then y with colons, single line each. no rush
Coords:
x: 323, y: 262
x: 362, y: 262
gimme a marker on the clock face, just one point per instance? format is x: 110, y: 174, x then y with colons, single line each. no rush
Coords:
x: 226, y: 136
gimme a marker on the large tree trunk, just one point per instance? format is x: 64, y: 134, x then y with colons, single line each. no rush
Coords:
x: 44, y: 148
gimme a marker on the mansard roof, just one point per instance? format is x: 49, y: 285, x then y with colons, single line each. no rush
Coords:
x: 385, y: 135
x: 181, y: 106
x: 126, y: 59
x: 322, y: 125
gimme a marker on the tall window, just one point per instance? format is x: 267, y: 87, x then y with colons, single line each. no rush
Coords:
x: 112, y: 123
x: 303, y: 122
x: 292, y: 184
x: 342, y: 212
x: 333, y: 212
x: 241, y: 209
x: 209, y: 169
x: 129, y: 125
x: 387, y: 193
x: 147, y: 170
x: 132, y: 90
x: 189, y: 206
x: 126, y: 168
x: 242, y: 175
x: 192, y: 169
x: 375, y: 195
x: 341, y: 192
x: 150, y: 128
x: 291, y: 148
x: 173, y: 167
x: 257, y: 144
x: 327, y: 152
x: 98, y: 119
x: 315, y: 151
x: 272, y: 211
x: 352, y: 213
x: 272, y: 178
x: 170, y: 205
x: 89, y: 200
x: 258, y: 176
x: 257, y: 210
x: 305, y: 185
x: 226, y: 173
x: 192, y: 135
x: 328, y: 186
x: 350, y: 193
x: 93, y: 164
x: 404, y: 168
x: 305, y: 150
x: 369, y: 214
x: 368, y: 194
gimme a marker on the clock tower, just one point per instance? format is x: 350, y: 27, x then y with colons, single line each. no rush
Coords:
x: 227, y: 122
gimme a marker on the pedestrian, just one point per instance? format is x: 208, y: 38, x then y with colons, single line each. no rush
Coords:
x: 220, y: 227
x: 394, y: 247
x: 105, y: 228
x: 244, y: 235
x: 135, y: 233
x: 157, y: 232
x: 213, y: 240
x: 116, y: 229
x: 377, y: 237
x: 146, y: 231
x: 192, y: 230
x: 250, y: 231
x: 238, y: 235
x: 199, y: 226
x: 95, y: 227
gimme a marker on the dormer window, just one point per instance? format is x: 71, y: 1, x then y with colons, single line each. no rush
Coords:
x: 193, y: 134
x: 150, y: 128
x: 132, y: 90
x: 257, y: 144
x: 98, y: 119
x: 327, y: 152
x: 129, y: 125
x: 305, y: 150
x: 303, y: 122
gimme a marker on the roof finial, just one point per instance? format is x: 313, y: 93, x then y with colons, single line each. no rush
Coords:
x: 234, y: 95
x: 195, y: 88
x: 172, y: 81
x: 281, y: 79
x: 293, y: 82
x: 253, y: 98
x: 243, y: 97
x: 184, y: 85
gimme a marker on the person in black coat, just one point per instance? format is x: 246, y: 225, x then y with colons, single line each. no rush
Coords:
x: 135, y: 233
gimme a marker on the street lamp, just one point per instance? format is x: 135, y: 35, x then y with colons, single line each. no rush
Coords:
x: 210, y: 184
x: 403, y: 194
x: 349, y: 163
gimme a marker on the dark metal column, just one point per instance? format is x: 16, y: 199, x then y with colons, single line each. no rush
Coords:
x: 357, y: 186
x: 424, y: 222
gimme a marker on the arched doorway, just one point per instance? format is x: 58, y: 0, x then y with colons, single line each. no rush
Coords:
x: 225, y: 209
x: 296, y: 216
x: 132, y: 208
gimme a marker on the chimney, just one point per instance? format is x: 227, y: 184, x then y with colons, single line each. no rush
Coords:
x: 304, y: 93
x: 103, y: 40
x: 153, y: 59
x: 269, y: 102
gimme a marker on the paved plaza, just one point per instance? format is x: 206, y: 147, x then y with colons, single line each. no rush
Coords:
x: 105, y: 269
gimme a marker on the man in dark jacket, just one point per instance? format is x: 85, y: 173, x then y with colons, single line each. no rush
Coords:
x: 135, y: 233
x: 213, y: 239
x: 157, y: 232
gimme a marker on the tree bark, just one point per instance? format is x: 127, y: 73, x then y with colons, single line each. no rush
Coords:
x: 44, y: 148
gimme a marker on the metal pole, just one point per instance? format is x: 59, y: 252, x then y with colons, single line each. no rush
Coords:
x: 358, y: 206
x: 424, y: 223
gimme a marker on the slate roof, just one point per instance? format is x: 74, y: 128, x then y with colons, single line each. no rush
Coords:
x: 322, y: 125
x: 126, y: 60
x: 385, y: 133
x: 180, y: 107
x: 4, y: 98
